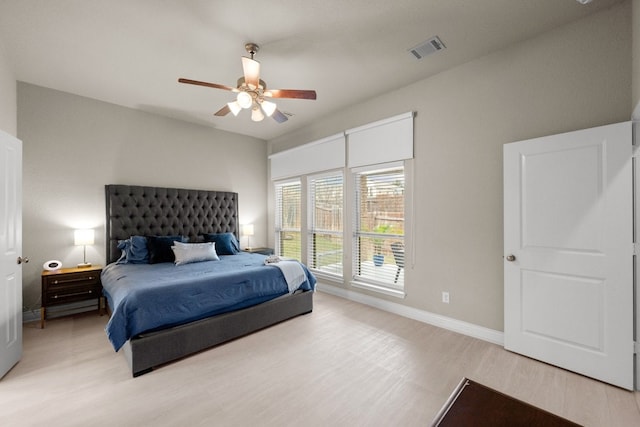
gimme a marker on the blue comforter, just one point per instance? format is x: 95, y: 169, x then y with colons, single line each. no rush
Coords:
x: 145, y: 297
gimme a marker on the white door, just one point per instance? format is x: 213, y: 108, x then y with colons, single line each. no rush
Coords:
x: 10, y: 251
x: 568, y: 241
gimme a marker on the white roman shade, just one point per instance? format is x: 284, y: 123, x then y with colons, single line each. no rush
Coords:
x: 324, y: 154
x: 383, y: 141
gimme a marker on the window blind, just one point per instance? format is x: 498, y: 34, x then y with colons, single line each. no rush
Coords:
x: 325, y: 226
x: 378, y: 256
x: 288, y: 211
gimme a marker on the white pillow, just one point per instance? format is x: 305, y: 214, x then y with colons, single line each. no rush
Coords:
x: 186, y: 253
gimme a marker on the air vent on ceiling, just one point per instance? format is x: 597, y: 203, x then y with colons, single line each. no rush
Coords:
x: 434, y: 44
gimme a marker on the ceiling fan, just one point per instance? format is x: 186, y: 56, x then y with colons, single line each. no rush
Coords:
x: 252, y: 92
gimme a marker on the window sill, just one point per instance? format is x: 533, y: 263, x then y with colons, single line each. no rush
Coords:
x: 328, y: 277
x: 398, y: 293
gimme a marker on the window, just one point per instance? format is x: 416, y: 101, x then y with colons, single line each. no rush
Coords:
x: 378, y: 257
x: 288, y: 224
x: 314, y: 181
x: 325, y: 223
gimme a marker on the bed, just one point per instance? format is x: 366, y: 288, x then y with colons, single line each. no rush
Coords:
x: 190, y: 214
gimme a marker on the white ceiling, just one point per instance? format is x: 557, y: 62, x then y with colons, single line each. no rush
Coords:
x: 131, y: 52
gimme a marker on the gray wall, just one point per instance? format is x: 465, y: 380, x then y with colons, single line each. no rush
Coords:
x: 8, y: 109
x: 73, y: 146
x: 574, y: 77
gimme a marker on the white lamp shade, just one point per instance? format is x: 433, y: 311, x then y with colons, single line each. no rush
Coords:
x: 244, y: 100
x: 84, y: 237
x: 256, y: 114
x: 247, y: 229
x: 234, y: 107
x: 268, y: 107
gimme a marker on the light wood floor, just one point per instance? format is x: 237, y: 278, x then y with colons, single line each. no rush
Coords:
x: 345, y: 364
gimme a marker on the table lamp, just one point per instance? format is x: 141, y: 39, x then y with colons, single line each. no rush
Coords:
x: 84, y: 237
x: 247, y: 230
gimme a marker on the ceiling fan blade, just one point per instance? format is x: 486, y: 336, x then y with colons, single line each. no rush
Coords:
x: 223, y: 111
x: 206, y: 84
x: 279, y: 116
x: 291, y: 93
x: 251, y: 70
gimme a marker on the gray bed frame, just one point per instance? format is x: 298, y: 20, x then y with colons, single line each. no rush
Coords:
x: 139, y: 210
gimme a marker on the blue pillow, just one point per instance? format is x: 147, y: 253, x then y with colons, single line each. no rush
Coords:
x: 160, y: 248
x: 226, y: 243
x: 134, y: 250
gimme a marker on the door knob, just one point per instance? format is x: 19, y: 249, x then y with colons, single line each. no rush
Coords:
x: 511, y: 258
x: 22, y: 260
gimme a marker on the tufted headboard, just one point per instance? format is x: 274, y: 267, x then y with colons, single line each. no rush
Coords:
x: 157, y: 211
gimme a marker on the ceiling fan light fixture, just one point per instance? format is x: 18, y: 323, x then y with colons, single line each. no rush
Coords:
x: 256, y: 114
x: 234, y: 107
x: 251, y: 92
x: 244, y: 100
x: 268, y: 107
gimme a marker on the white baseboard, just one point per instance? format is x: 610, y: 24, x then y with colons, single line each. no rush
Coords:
x: 444, y: 322
x: 33, y: 315
x: 465, y: 328
x: 30, y: 316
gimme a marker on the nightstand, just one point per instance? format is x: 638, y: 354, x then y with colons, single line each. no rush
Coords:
x: 262, y: 251
x: 69, y: 285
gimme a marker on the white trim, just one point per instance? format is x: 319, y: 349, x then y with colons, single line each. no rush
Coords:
x: 635, y: 143
x: 30, y: 316
x: 327, y: 277
x: 278, y: 226
x: 380, y: 289
x: 377, y: 284
x: 337, y: 136
x: 636, y: 112
x: 378, y: 167
x: 33, y: 315
x: 288, y: 181
x: 465, y: 328
x: 324, y: 174
x: 311, y: 224
x: 380, y: 122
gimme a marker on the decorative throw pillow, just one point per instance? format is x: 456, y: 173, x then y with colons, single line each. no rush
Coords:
x: 186, y: 253
x: 160, y: 248
x: 226, y: 243
x: 134, y: 250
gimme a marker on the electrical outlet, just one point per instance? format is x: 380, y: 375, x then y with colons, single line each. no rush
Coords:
x: 445, y: 297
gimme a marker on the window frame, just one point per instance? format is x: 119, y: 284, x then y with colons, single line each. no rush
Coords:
x: 279, y: 227
x: 371, y: 281
x: 312, y: 229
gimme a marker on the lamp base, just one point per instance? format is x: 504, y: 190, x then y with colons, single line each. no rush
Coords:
x: 84, y: 265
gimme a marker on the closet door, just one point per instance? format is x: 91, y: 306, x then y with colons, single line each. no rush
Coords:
x: 568, y: 266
